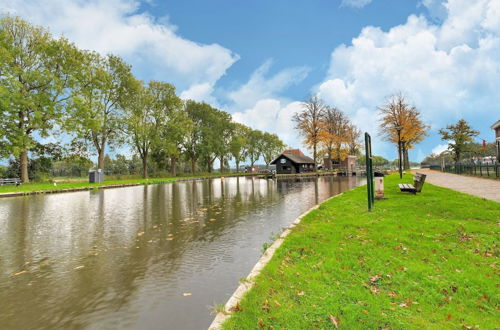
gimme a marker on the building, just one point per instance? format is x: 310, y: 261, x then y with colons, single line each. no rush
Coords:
x: 496, y: 127
x: 347, y: 165
x: 293, y: 161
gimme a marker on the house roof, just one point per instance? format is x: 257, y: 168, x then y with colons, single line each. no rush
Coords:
x: 496, y: 125
x: 295, y: 156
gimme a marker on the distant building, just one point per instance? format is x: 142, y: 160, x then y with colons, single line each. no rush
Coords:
x: 293, y: 161
x: 347, y: 165
x: 496, y: 127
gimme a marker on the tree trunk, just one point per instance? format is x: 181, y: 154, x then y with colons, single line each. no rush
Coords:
x: 23, y: 163
x: 145, y: 166
x: 209, y: 165
x: 221, y: 159
x: 173, y: 165
x: 100, y: 159
x: 193, y: 165
x: 406, y: 158
x: 314, y: 156
x: 237, y: 166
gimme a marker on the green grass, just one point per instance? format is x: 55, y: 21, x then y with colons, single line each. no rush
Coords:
x: 67, y: 183
x: 428, y: 261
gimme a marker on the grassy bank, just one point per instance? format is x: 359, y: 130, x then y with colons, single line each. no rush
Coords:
x: 71, y: 183
x: 425, y: 261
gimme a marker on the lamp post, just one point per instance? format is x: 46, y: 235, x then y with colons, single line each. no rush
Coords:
x: 399, y: 128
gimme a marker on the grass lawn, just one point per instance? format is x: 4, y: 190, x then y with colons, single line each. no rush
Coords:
x: 422, y: 262
x: 26, y: 187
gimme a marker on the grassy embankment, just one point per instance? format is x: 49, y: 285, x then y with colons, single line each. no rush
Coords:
x: 424, y: 262
x: 70, y: 183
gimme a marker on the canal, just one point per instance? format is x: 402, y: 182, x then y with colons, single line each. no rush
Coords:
x: 144, y: 257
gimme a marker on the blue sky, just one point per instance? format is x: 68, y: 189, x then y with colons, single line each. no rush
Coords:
x: 259, y: 59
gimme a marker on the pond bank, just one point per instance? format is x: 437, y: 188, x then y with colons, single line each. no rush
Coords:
x: 414, y: 262
x: 61, y: 187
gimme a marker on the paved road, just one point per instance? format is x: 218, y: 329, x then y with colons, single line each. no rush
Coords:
x: 485, y: 188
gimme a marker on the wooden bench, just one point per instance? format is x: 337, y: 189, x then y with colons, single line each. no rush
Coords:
x: 418, y: 183
x: 15, y: 181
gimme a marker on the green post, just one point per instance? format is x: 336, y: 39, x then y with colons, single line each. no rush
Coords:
x: 369, y: 171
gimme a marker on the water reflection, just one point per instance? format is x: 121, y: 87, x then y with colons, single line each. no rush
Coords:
x: 122, y: 258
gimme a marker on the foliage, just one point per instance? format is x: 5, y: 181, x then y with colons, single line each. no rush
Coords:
x: 35, y: 74
x: 96, y: 111
x: 459, y: 135
x: 272, y: 146
x: 397, y: 267
x: 400, y: 122
x: 308, y: 122
x: 48, y: 84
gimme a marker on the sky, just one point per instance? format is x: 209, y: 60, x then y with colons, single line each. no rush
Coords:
x: 260, y: 59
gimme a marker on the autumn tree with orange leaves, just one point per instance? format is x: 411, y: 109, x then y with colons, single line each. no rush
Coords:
x: 333, y: 133
x: 308, y: 122
x: 398, y: 113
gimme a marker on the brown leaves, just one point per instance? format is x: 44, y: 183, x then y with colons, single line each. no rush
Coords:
x: 374, y: 289
x: 334, y: 320
x: 375, y: 278
x: 301, y: 293
x: 261, y: 323
x: 236, y: 308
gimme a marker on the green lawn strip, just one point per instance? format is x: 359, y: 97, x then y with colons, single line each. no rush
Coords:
x: 29, y: 187
x: 425, y: 261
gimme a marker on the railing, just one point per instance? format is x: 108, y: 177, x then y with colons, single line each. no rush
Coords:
x: 483, y: 170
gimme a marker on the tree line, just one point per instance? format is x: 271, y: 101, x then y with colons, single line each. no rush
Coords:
x: 49, y: 86
x: 327, y: 131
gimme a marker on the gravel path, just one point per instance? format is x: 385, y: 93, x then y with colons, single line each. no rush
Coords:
x: 485, y: 188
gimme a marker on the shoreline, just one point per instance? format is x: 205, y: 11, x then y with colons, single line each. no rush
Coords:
x: 56, y: 190
x: 249, y: 282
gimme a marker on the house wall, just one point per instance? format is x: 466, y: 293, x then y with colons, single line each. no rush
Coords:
x: 285, y: 168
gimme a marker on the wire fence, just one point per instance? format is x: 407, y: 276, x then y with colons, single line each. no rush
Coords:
x: 483, y: 170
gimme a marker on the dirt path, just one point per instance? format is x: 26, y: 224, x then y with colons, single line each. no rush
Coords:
x: 485, y: 188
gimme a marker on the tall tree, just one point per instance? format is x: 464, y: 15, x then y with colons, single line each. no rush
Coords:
x: 272, y: 146
x: 97, y: 113
x: 141, y: 126
x: 239, y: 144
x: 171, y: 124
x: 459, y: 135
x: 197, y: 144
x: 35, y: 75
x: 254, y: 146
x: 353, y: 142
x: 334, y: 133
x: 223, y: 130
x: 308, y: 122
x: 401, y: 124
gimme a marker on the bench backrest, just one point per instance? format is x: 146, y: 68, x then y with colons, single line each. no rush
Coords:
x: 10, y: 180
x: 418, y: 181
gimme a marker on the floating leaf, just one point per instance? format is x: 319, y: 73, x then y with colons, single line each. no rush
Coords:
x: 186, y: 294
x: 21, y: 272
x: 140, y: 234
x: 79, y: 267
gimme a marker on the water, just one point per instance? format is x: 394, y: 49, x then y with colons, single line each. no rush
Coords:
x: 145, y: 257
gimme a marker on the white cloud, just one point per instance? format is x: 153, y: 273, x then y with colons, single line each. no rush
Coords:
x: 439, y: 149
x: 261, y: 86
x: 272, y: 116
x: 355, y: 3
x: 117, y: 26
x: 449, y: 70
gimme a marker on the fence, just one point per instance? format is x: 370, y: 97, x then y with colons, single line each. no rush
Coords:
x: 484, y: 170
